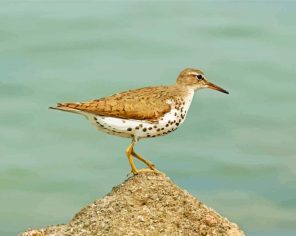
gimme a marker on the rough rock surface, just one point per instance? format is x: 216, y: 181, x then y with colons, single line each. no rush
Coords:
x: 145, y: 204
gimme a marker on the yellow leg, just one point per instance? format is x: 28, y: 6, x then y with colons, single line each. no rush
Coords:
x: 128, y: 152
x: 139, y: 157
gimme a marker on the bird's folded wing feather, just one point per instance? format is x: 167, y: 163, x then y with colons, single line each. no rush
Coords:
x: 148, y: 103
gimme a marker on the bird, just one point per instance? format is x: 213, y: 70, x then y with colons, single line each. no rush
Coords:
x: 143, y: 113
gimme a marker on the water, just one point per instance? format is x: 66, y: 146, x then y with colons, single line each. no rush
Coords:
x: 236, y: 152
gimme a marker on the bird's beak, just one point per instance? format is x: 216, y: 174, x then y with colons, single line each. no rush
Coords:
x: 215, y: 87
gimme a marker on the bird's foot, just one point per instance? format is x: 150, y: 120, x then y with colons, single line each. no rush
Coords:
x: 151, y: 166
x: 148, y: 170
x: 145, y: 170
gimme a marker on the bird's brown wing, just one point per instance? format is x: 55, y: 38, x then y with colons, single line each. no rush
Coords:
x: 148, y: 103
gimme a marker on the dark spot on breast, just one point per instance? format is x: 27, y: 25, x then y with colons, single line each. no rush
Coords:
x: 180, y: 120
x: 137, y: 127
x: 150, y: 128
x: 155, y: 126
x: 162, y: 128
x: 129, y: 129
x: 167, y: 125
x: 153, y: 136
x: 182, y: 116
x: 144, y: 129
x: 141, y: 125
x: 158, y: 130
x: 175, y: 113
x: 148, y: 135
x: 177, y: 123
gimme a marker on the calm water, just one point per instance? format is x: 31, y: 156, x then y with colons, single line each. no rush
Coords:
x: 236, y: 152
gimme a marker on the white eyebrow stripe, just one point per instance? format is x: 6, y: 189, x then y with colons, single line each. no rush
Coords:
x: 193, y: 73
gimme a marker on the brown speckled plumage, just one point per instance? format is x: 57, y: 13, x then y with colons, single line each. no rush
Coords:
x: 148, y: 103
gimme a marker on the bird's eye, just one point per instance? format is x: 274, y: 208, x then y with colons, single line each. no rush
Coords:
x: 200, y: 77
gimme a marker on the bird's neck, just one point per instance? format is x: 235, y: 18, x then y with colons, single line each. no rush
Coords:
x: 186, y: 89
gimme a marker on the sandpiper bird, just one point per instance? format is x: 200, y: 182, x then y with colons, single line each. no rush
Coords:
x: 143, y: 113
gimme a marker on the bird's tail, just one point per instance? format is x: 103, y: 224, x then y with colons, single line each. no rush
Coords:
x: 68, y: 107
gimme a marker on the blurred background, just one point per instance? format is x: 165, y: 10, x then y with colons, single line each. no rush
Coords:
x: 235, y: 153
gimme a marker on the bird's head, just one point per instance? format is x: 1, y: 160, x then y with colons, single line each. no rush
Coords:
x: 195, y: 79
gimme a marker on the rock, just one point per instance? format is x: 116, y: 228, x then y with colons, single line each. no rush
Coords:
x: 145, y: 204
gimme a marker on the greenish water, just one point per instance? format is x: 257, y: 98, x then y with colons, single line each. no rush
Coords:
x: 236, y: 152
